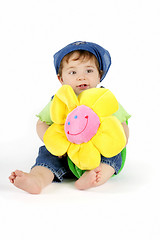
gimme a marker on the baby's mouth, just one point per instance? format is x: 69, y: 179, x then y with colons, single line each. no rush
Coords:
x: 82, y: 86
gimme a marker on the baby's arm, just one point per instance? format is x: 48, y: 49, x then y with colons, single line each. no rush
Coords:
x: 126, y: 130
x: 41, y: 129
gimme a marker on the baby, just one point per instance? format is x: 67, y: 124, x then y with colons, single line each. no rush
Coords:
x: 82, y: 65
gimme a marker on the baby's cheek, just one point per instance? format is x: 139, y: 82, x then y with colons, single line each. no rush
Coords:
x: 81, y: 124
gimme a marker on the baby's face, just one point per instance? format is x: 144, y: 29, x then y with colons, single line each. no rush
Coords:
x: 80, y: 75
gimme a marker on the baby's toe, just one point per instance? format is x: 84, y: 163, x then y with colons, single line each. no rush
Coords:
x: 18, y: 173
x: 11, y: 177
x: 98, y: 179
x: 98, y: 169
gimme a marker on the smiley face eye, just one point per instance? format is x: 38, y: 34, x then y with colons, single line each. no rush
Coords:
x: 75, y: 117
x: 69, y: 123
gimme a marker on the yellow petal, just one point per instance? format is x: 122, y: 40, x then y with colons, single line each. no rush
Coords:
x: 58, y: 111
x: 63, y: 102
x: 67, y: 95
x: 90, y: 96
x: 110, y: 138
x: 106, y: 105
x: 85, y: 155
x: 55, y: 140
x: 101, y: 100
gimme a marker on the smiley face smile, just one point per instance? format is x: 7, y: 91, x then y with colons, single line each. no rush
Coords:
x: 81, y: 131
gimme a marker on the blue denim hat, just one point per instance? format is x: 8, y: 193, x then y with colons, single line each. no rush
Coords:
x: 100, y: 53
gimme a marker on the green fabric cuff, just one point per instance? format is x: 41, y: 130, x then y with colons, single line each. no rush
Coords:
x: 44, y: 115
x: 121, y: 114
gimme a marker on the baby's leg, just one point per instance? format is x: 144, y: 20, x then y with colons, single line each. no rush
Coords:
x: 95, y: 177
x: 32, y: 182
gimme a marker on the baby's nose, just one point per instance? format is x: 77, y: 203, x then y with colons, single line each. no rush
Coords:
x: 81, y: 77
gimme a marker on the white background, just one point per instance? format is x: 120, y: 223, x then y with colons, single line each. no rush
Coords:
x: 31, y: 32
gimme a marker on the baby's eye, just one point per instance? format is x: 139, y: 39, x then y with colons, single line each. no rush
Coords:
x: 89, y: 70
x: 72, y: 72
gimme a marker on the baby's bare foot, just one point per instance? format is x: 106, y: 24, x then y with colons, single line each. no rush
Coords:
x: 89, y: 179
x: 25, y: 181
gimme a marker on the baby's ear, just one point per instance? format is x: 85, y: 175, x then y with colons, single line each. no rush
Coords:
x: 60, y: 79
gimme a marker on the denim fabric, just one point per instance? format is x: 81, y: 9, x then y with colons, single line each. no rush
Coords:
x: 60, y: 168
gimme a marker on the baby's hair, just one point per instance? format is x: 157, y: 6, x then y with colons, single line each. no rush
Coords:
x: 82, y: 55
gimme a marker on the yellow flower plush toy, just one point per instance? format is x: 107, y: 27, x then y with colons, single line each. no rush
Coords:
x: 83, y: 126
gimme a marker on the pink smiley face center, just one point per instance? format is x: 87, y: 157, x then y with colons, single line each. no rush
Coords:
x: 81, y: 124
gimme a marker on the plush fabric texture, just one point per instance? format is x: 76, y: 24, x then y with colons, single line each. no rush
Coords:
x: 81, y: 124
x: 109, y: 138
